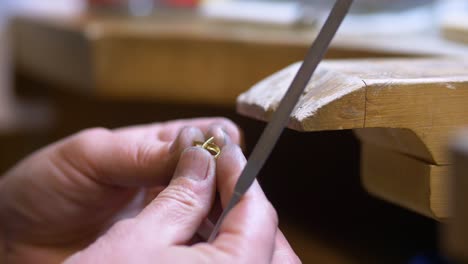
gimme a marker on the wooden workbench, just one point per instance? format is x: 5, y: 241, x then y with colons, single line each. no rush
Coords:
x: 403, y: 111
x: 182, y: 58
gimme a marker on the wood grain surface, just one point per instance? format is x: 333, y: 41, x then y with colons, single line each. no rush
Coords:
x: 407, y: 109
x: 408, y: 105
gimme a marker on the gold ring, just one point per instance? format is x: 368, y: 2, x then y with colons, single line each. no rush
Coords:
x: 211, y: 147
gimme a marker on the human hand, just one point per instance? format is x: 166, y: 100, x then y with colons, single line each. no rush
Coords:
x: 61, y: 198
x: 163, y: 231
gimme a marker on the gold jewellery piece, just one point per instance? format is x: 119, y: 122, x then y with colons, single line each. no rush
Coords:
x: 212, y: 148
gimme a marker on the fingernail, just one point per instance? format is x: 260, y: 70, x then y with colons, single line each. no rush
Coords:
x: 185, y: 138
x: 194, y: 163
x: 227, y: 138
x: 175, y: 144
x: 233, y: 153
x: 220, y: 135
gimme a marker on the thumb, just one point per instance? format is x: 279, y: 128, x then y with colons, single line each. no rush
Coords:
x: 176, y: 213
x: 122, y: 160
x: 171, y: 218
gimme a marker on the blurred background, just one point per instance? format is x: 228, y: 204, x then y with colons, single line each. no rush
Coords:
x: 66, y: 65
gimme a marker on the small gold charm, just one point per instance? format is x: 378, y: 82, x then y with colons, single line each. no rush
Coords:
x: 212, y: 148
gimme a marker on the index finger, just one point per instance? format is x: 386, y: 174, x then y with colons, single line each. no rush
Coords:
x: 167, y: 131
x: 253, y: 222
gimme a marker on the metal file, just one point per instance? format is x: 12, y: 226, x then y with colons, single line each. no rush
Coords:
x: 280, y: 118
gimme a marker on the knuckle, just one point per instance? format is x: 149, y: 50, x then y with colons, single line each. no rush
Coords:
x: 180, y: 195
x: 88, y: 137
x: 230, y: 127
x: 224, y: 121
x: 186, y: 129
x: 141, y: 154
x: 96, y: 132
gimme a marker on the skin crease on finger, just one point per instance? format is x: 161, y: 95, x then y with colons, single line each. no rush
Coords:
x: 282, y: 253
x: 201, y: 253
x: 20, y: 176
x: 121, y: 167
x: 130, y: 232
x: 179, y: 209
